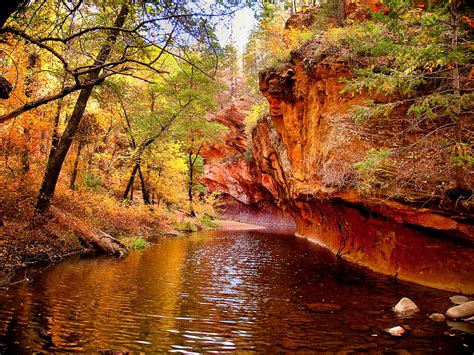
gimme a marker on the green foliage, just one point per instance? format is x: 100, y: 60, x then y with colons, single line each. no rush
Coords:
x: 462, y: 157
x: 370, y: 170
x: 368, y: 38
x: 140, y: 243
x: 258, y: 110
x: 417, y: 61
x: 91, y: 180
x: 371, y: 110
x: 388, y: 82
x: 207, y: 221
x: 372, y: 161
x: 186, y: 226
x: 415, y: 49
x: 442, y: 105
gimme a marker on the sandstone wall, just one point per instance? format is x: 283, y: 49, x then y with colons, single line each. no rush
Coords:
x: 308, y: 145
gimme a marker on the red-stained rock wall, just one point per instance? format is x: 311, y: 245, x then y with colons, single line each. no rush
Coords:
x: 300, y: 170
x: 248, y: 195
x: 307, y: 145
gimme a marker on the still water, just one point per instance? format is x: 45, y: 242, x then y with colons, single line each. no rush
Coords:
x: 219, y: 292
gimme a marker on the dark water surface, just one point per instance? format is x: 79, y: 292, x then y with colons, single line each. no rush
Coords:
x: 219, y: 291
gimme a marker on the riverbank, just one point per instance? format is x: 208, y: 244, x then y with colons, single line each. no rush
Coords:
x: 27, y: 240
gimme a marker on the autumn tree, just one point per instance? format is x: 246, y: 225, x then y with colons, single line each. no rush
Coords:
x: 194, y: 128
x: 107, y: 38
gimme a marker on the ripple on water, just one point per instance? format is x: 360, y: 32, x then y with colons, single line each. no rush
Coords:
x: 217, y: 292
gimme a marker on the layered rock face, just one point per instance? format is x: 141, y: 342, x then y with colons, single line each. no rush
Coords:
x: 308, y: 145
x: 248, y: 195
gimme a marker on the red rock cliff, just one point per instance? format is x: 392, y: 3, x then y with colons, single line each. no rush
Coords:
x: 247, y: 194
x: 308, y: 145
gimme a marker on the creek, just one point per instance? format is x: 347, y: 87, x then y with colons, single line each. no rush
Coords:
x: 220, y: 291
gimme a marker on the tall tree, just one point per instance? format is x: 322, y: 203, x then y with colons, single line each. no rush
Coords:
x: 58, y: 153
x: 133, y: 47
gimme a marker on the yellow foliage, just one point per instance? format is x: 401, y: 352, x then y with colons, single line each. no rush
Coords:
x: 279, y: 41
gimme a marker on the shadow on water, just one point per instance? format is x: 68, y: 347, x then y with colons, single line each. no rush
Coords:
x: 220, y: 291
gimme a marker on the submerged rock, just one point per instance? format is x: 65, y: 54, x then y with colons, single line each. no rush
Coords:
x: 462, y: 326
x: 437, y: 317
x: 421, y: 333
x: 359, y: 327
x: 406, y: 307
x: 396, y: 331
x: 458, y: 299
x: 462, y: 311
x: 323, y: 307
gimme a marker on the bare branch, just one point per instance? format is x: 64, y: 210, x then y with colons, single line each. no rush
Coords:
x: 39, y: 44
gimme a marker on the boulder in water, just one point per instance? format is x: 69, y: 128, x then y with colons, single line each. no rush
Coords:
x: 396, y: 331
x: 462, y: 311
x: 437, y: 317
x: 458, y: 299
x: 406, y: 307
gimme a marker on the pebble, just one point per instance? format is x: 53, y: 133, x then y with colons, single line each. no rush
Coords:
x: 459, y: 299
x: 437, y: 317
x: 462, y: 311
x: 396, y: 331
x: 406, y: 307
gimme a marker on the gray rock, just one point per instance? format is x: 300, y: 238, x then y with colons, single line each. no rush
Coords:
x: 462, y: 311
x: 458, y: 299
x: 406, y: 307
x: 437, y: 317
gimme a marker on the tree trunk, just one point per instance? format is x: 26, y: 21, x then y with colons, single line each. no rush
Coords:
x: 146, y: 197
x: 293, y: 7
x: 25, y: 155
x: 57, y: 156
x: 72, y: 182
x: 57, y: 116
x: 130, y: 181
x: 459, y: 168
x: 92, y: 235
x: 192, y: 162
x: 191, y: 180
x: 341, y: 12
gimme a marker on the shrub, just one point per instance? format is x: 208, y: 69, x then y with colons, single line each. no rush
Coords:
x: 140, y: 243
x: 186, y: 226
x: 206, y: 220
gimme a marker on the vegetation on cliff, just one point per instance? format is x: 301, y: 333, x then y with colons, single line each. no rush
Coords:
x: 406, y: 70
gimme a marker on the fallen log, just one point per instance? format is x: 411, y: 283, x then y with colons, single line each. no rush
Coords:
x: 97, y: 238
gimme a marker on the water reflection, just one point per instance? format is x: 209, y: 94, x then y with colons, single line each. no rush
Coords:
x: 217, y: 291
